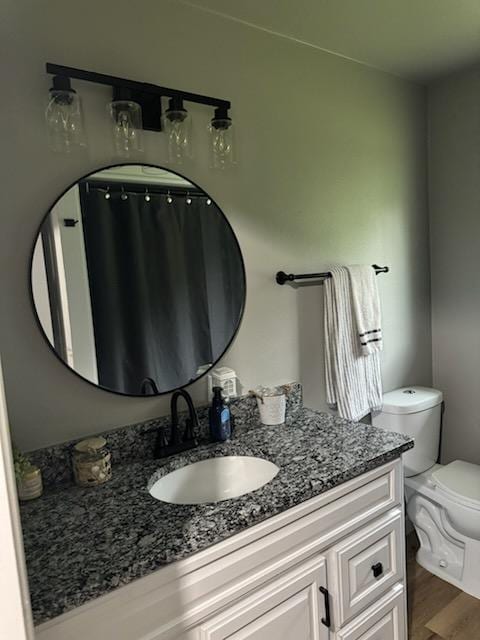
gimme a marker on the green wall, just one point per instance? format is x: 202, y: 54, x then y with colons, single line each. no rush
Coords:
x: 454, y: 177
x: 332, y: 169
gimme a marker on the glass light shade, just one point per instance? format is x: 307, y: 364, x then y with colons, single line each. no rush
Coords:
x: 64, y: 119
x: 222, y: 142
x: 127, y: 129
x: 177, y: 125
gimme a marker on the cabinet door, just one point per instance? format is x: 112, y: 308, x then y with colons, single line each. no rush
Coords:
x: 291, y: 606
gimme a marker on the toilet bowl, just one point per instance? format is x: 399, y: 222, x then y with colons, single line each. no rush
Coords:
x: 448, y: 527
x: 443, y: 501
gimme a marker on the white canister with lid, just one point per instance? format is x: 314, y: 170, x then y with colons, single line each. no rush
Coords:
x: 29, y: 485
x: 91, y: 462
x: 271, y: 402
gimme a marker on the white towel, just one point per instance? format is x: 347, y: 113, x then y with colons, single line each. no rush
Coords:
x: 354, y: 384
x: 366, y: 306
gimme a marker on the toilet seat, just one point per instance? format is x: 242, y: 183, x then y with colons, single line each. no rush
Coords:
x: 459, y: 481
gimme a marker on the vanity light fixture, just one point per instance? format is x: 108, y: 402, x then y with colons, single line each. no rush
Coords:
x: 64, y: 117
x: 137, y: 106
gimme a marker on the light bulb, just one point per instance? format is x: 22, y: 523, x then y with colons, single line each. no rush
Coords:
x: 222, y: 147
x: 178, y: 125
x: 64, y: 117
x: 127, y: 127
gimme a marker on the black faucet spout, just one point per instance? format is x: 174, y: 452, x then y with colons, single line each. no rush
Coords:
x: 149, y: 383
x: 178, y: 443
x: 181, y: 393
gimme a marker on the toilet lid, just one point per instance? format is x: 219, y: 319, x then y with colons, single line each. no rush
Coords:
x: 462, y: 479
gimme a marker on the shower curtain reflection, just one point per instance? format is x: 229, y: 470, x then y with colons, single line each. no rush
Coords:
x: 163, y: 287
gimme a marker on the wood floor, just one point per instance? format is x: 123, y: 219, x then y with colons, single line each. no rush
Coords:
x: 436, y: 609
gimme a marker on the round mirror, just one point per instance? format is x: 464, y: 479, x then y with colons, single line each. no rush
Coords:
x: 137, y: 280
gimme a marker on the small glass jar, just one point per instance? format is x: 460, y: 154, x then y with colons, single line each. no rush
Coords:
x: 91, y: 462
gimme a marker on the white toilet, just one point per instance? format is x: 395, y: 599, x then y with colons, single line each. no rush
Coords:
x: 443, y: 501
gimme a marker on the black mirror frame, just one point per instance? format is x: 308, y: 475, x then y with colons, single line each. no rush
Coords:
x: 37, y: 318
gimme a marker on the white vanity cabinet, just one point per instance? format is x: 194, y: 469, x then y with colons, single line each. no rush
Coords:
x: 273, y: 581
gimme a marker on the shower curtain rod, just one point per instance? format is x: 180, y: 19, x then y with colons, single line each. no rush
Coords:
x: 283, y: 277
x: 142, y: 188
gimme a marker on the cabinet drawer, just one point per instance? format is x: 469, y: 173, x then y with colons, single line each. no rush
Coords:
x: 385, y: 620
x: 366, y: 564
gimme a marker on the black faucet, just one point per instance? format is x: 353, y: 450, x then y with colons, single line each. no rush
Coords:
x: 149, y: 382
x: 178, y: 442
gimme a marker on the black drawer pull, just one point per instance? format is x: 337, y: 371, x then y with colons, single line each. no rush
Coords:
x: 326, y: 620
x: 377, y: 569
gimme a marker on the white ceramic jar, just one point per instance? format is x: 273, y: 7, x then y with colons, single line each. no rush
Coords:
x: 271, y: 404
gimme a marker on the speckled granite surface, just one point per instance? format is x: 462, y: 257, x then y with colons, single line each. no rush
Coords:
x: 82, y: 543
x: 137, y: 441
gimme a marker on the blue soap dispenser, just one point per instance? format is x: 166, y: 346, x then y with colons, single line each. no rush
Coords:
x: 220, y: 422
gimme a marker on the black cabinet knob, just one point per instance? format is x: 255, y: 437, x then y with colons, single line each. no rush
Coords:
x: 377, y: 569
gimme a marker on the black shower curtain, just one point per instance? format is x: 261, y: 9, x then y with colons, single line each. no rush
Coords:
x: 162, y: 284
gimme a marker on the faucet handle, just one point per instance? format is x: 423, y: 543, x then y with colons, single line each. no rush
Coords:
x: 162, y: 437
x: 161, y: 443
x: 175, y: 437
x: 189, y: 433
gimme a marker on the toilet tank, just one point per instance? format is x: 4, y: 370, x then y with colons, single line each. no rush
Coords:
x: 416, y: 412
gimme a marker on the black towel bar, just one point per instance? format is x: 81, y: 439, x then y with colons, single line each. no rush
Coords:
x: 283, y: 277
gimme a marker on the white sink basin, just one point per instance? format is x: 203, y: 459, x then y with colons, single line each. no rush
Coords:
x: 214, y: 480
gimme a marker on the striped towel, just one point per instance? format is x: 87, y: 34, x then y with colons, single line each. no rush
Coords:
x: 354, y: 383
x: 366, y: 305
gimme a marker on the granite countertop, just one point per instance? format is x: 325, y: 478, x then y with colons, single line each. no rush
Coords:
x: 83, y: 543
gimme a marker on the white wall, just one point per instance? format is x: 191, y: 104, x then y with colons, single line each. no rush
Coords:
x: 454, y: 172
x: 74, y: 265
x: 332, y: 170
x: 40, y: 289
